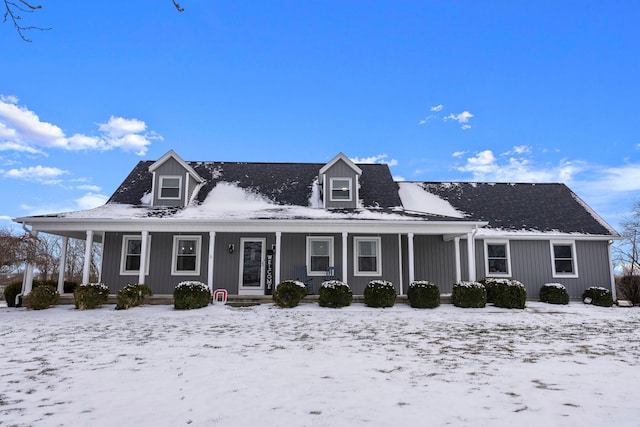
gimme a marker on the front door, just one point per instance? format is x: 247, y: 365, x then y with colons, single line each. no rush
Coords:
x: 252, y: 266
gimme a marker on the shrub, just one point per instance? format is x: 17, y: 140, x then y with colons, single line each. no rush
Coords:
x: 41, y: 297
x: 469, y: 295
x: 379, y: 293
x: 597, y: 296
x: 191, y: 294
x: 132, y: 295
x: 10, y: 293
x: 289, y: 293
x: 90, y: 296
x: 69, y: 287
x: 509, y: 293
x: 554, y: 293
x: 491, y: 285
x: 335, y: 294
x: 423, y: 294
x: 629, y: 288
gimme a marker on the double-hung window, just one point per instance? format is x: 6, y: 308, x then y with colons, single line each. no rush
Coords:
x: 186, y: 255
x: 319, y: 254
x: 341, y: 189
x: 367, y: 261
x: 170, y: 187
x: 497, y: 258
x: 563, y: 259
x: 132, y: 255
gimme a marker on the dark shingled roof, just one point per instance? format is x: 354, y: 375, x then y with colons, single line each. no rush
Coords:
x: 282, y: 183
x: 538, y: 207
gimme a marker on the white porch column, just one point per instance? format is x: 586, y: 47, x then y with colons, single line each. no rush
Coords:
x: 344, y: 256
x: 276, y: 277
x: 144, y: 243
x: 27, y: 279
x: 87, y: 257
x: 456, y: 242
x: 400, y: 263
x: 614, y: 293
x: 471, y: 255
x: 101, y: 258
x: 212, y: 246
x: 63, y: 262
x: 412, y: 273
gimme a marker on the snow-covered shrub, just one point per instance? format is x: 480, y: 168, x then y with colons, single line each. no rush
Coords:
x: 191, y: 294
x: 41, y: 297
x: 491, y: 285
x: 10, y: 293
x: 629, y: 288
x: 469, y: 295
x: 423, y: 294
x: 289, y: 293
x: 91, y: 295
x: 509, y: 293
x: 597, y: 295
x: 335, y: 294
x: 554, y: 293
x: 132, y: 295
x: 379, y: 293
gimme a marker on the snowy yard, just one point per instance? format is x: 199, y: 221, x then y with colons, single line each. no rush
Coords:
x: 546, y: 365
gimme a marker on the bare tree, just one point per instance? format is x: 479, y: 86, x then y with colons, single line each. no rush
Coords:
x: 11, y: 251
x: 628, y: 249
x: 15, y: 9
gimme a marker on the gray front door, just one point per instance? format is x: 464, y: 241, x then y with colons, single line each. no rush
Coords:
x: 252, y: 266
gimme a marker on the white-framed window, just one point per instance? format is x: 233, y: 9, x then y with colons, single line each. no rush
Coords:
x: 170, y: 187
x: 497, y: 260
x: 367, y: 257
x: 341, y: 189
x: 132, y: 255
x: 563, y: 259
x: 319, y: 255
x: 186, y: 255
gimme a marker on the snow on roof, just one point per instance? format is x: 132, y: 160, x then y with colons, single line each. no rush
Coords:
x: 415, y: 198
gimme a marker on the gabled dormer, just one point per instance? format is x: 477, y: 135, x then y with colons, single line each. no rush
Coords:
x: 340, y: 179
x: 175, y: 183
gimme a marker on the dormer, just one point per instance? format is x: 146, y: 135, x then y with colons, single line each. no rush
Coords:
x: 175, y: 183
x: 340, y: 180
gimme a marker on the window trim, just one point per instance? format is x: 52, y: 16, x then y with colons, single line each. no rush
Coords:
x: 574, y: 258
x: 507, y: 245
x: 378, y: 242
x: 336, y: 178
x: 161, y: 187
x: 174, y: 255
x: 123, y: 255
x: 331, y: 254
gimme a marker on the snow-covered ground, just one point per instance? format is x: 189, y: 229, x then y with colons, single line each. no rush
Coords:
x: 546, y: 365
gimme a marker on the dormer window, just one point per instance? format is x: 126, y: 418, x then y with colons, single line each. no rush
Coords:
x: 341, y: 189
x: 170, y: 187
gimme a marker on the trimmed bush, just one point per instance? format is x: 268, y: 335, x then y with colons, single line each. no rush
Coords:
x: 191, y: 294
x: 289, y: 293
x: 132, y: 295
x: 469, y: 295
x: 41, y: 297
x: 423, y: 294
x: 379, y: 293
x: 90, y: 296
x: 491, y: 285
x: 554, y: 293
x: 334, y: 294
x: 629, y: 288
x: 597, y: 296
x: 10, y: 293
x: 509, y: 293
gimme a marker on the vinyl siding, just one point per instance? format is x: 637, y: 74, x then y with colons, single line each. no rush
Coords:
x: 169, y: 168
x: 341, y: 170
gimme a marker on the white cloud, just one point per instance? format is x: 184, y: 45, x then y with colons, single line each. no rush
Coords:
x: 42, y: 174
x: 379, y: 158
x: 90, y: 201
x: 437, y: 108
x: 22, y: 130
x: 462, y: 119
x: 88, y: 187
x: 87, y: 201
x: 458, y: 153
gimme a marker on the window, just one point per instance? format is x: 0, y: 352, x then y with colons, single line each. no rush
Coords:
x: 186, y: 255
x: 341, y: 189
x: 367, y: 256
x: 319, y: 255
x: 497, y: 258
x: 563, y: 258
x: 170, y: 187
x: 131, y: 255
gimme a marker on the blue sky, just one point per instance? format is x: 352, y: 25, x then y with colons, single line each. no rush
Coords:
x: 514, y: 91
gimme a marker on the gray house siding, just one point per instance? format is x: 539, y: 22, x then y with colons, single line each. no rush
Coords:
x: 389, y: 258
x: 169, y: 168
x: 341, y: 170
x: 435, y: 261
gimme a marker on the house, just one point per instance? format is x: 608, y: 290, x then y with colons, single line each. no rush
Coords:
x: 244, y: 227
